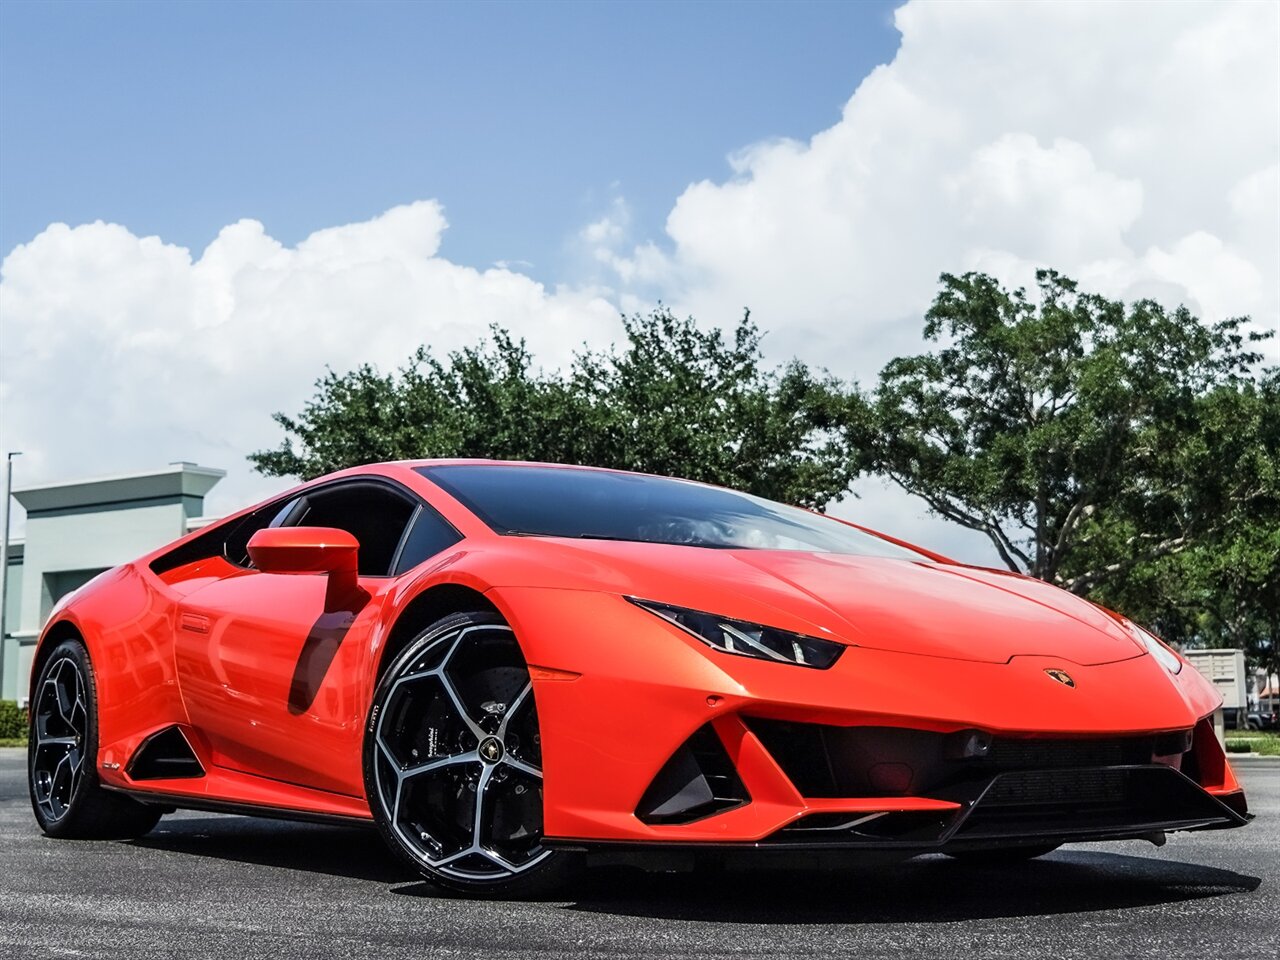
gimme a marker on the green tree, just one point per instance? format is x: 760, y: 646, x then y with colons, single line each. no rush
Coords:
x: 1224, y: 588
x: 674, y: 400
x: 694, y: 403
x: 483, y: 401
x: 1062, y: 429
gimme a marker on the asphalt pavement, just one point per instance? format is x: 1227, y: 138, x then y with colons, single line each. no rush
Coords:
x: 203, y: 885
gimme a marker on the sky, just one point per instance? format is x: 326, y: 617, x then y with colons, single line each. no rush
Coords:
x: 203, y: 206
x: 523, y: 120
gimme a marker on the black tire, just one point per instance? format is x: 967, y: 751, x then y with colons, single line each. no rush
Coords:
x: 62, y: 756
x: 1002, y: 855
x: 453, y: 762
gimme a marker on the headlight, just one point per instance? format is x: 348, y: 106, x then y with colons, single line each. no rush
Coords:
x: 1167, y: 658
x: 748, y: 639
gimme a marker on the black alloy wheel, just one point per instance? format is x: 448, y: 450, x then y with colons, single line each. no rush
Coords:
x: 453, y: 760
x: 68, y: 800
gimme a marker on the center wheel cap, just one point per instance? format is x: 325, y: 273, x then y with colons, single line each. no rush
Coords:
x: 490, y: 750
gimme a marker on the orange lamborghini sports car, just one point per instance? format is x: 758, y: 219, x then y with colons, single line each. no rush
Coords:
x: 510, y: 669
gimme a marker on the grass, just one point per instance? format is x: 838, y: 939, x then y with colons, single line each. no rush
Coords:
x: 1267, y: 744
x: 13, y: 742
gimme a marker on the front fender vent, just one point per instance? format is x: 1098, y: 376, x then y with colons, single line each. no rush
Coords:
x: 166, y: 755
x: 697, y: 782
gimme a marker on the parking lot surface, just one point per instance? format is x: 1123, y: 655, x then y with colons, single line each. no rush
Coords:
x: 203, y: 885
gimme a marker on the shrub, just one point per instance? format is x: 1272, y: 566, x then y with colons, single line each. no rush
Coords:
x: 13, y: 721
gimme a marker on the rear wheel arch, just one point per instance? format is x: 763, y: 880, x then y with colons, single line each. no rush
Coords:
x: 67, y: 798
x: 54, y: 634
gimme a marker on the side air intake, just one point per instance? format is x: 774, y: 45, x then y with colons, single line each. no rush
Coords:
x: 165, y: 756
x: 699, y: 780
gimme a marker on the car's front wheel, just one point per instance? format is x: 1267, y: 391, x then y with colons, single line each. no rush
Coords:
x: 453, y: 760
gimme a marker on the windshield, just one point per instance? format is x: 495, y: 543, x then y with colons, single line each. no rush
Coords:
x: 604, y: 505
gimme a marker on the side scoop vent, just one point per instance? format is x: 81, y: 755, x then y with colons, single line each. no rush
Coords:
x: 699, y: 780
x: 165, y: 756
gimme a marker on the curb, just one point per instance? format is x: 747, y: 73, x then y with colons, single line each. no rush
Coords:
x: 1251, y: 760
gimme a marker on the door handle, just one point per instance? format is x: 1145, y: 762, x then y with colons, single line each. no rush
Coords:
x: 194, y: 622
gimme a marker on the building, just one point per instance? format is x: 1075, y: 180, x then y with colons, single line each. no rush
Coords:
x: 76, y: 530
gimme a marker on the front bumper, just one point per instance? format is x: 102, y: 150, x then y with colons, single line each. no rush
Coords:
x: 624, y: 694
x: 1020, y: 792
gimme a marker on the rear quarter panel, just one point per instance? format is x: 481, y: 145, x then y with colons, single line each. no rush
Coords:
x: 127, y: 625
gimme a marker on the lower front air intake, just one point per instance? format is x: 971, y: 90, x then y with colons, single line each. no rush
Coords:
x: 699, y: 780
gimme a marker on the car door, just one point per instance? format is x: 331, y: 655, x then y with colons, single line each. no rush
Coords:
x: 273, y: 679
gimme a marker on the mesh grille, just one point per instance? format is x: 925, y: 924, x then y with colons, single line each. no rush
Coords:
x: 1057, y: 786
x: 1018, y: 754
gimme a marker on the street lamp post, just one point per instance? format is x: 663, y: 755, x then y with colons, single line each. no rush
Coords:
x: 4, y: 557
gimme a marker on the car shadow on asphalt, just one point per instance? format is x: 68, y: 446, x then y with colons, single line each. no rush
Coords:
x: 931, y: 889
x: 339, y: 851
x: 927, y: 889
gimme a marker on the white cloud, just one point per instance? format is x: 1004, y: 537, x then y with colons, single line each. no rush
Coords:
x: 122, y: 352
x: 1014, y: 188
x: 611, y: 229
x: 1133, y: 146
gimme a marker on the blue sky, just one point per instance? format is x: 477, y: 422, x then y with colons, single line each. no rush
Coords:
x: 523, y: 119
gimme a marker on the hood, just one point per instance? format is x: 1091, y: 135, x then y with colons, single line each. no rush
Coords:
x: 907, y: 606
x: 946, y: 610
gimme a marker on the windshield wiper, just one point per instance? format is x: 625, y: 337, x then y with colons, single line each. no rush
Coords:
x: 704, y: 544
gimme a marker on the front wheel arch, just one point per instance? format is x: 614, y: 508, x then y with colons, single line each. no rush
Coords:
x: 428, y: 607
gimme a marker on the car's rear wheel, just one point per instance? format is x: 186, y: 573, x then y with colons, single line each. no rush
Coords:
x: 68, y: 800
x: 453, y: 760
x: 999, y: 855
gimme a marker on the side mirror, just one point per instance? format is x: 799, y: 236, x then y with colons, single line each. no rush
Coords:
x: 304, y: 550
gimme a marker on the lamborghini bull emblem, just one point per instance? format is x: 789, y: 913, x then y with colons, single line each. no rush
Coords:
x: 1062, y: 677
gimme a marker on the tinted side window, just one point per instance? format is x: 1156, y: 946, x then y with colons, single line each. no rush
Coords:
x: 430, y: 534
x: 201, y: 547
x: 374, y: 514
x: 229, y: 541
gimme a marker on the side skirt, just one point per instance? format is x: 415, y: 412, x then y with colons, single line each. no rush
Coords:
x: 182, y: 802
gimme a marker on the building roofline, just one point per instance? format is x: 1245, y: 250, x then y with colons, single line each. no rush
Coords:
x: 179, y: 479
x: 177, y: 466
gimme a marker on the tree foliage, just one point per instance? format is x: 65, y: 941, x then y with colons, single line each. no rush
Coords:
x: 1062, y: 429
x: 1223, y: 589
x: 675, y: 400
